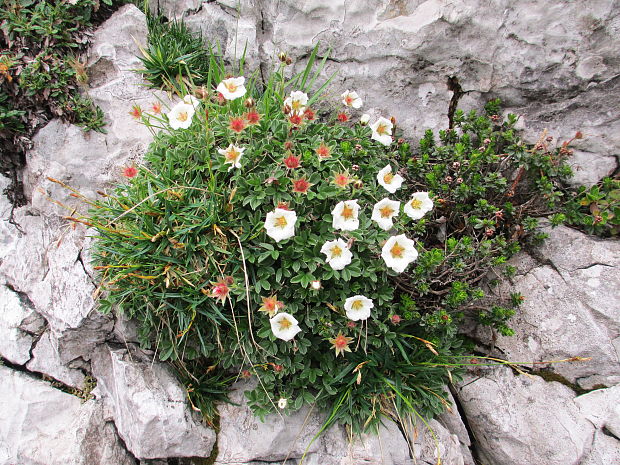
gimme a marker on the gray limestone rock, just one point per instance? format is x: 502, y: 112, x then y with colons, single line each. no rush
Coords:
x: 519, y: 420
x: 46, y: 359
x: 244, y: 438
x: 571, y: 291
x: 149, y: 406
x: 42, y: 425
x: 20, y: 326
x: 452, y: 421
x: 605, y: 450
x: 602, y: 409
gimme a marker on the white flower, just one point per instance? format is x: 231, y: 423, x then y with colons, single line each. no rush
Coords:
x: 282, y: 403
x: 345, y: 215
x: 284, y: 326
x: 316, y: 284
x: 232, y: 88
x: 382, y: 131
x: 391, y: 182
x: 358, y: 307
x: 398, y: 252
x: 191, y: 100
x: 364, y: 119
x: 338, y: 254
x: 232, y: 155
x: 180, y: 117
x: 297, y: 101
x: 419, y: 205
x: 351, y: 99
x: 280, y: 224
x: 384, y: 211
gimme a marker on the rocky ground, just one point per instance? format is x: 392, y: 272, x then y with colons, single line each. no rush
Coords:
x: 554, y: 63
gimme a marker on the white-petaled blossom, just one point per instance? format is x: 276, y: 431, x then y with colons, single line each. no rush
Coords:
x: 382, y: 131
x: 282, y: 403
x: 345, y: 215
x: 365, y: 118
x: 337, y: 254
x: 383, y: 212
x: 390, y: 181
x: 316, y: 284
x: 232, y: 155
x: 351, y: 99
x: 358, y: 307
x: 280, y: 224
x: 191, y: 100
x: 180, y: 117
x: 232, y: 88
x: 398, y: 252
x: 284, y: 326
x: 297, y: 101
x: 418, y: 206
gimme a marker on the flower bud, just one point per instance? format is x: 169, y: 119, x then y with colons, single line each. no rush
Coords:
x: 282, y: 56
x: 395, y: 319
x: 288, y: 145
x: 364, y: 119
x: 358, y: 184
x: 578, y: 135
x: 401, y: 141
x: 358, y: 147
x: 316, y: 284
x: 459, y: 180
x: 249, y: 102
x: 282, y: 403
x: 201, y: 92
x: 448, y: 179
x: 487, y: 141
x: 393, y: 120
x: 355, y: 167
x: 288, y: 60
x: 456, y: 165
x: 286, y: 109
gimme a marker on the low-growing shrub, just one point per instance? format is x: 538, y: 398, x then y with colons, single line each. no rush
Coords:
x: 595, y: 209
x: 274, y: 235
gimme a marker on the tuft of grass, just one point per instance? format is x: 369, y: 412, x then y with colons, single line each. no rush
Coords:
x: 174, y: 57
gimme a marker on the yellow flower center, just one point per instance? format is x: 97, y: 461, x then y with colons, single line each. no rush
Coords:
x: 386, y: 211
x: 336, y: 251
x: 387, y: 178
x: 296, y: 104
x: 382, y: 129
x: 232, y: 155
x: 231, y: 86
x: 347, y: 212
x: 182, y: 116
x: 280, y: 222
x: 416, y: 204
x: 397, y: 250
x: 285, y: 324
x: 357, y: 304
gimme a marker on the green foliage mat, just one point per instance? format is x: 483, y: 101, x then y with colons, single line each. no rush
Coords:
x: 186, y: 246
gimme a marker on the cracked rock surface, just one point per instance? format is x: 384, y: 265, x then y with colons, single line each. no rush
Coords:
x: 42, y: 425
x: 553, y: 63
